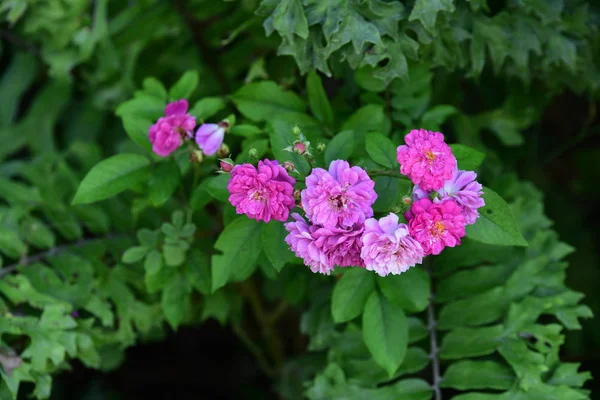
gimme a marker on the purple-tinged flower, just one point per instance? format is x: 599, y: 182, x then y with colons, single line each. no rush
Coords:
x: 226, y: 165
x: 388, y: 247
x: 426, y: 159
x: 167, y: 134
x: 322, y: 249
x: 262, y: 193
x: 463, y: 188
x: 340, y: 197
x: 209, y: 137
x: 436, y: 225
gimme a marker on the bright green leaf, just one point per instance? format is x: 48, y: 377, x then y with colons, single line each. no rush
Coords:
x: 350, y: 294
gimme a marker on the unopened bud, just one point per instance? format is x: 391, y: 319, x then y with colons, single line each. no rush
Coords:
x: 223, y: 150
x: 299, y: 148
x: 296, y: 131
x: 226, y: 165
x: 253, y: 153
x: 289, y: 166
x: 297, y: 194
x: 197, y: 156
x: 406, y: 200
x: 433, y: 195
x: 321, y: 148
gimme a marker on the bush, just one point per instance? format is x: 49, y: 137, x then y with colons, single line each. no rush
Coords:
x: 111, y: 236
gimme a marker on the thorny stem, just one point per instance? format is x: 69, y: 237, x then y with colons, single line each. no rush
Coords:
x: 431, y: 325
x: 25, y: 261
x: 266, y: 322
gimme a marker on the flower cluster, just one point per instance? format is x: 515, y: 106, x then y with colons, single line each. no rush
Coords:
x: 177, y: 126
x: 339, y: 229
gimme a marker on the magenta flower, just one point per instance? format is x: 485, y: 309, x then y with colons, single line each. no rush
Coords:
x: 388, y: 248
x: 426, y: 159
x: 322, y: 249
x: 167, y: 134
x: 340, y: 197
x: 463, y: 188
x: 262, y: 194
x: 436, y: 225
x: 210, y: 137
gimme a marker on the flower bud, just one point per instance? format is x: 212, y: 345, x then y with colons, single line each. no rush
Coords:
x: 406, y: 200
x: 296, y: 131
x: 253, y: 153
x: 299, y: 148
x: 197, y: 156
x: 321, y: 148
x: 226, y: 165
x: 297, y: 194
x: 223, y: 150
x: 289, y: 166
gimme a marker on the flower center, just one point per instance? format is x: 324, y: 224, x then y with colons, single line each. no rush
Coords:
x: 258, y: 195
x: 337, y: 202
x: 438, y: 229
x: 429, y: 156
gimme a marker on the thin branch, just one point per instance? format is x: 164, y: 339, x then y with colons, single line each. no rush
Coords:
x: 431, y: 326
x: 18, y: 41
x: 28, y: 260
x: 254, y: 349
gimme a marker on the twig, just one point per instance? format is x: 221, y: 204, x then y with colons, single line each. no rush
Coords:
x: 25, y: 261
x: 431, y: 325
x: 254, y: 349
x: 196, y: 27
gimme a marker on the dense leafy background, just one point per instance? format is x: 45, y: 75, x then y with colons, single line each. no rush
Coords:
x: 81, y: 81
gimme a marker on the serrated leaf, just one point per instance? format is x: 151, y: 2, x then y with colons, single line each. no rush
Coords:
x: 385, y: 332
x: 426, y: 11
x: 110, y: 177
x: 137, y: 130
x: 340, y: 147
x: 470, y: 375
x: 496, y: 223
x: 471, y: 342
x: 350, y: 294
x: 381, y: 150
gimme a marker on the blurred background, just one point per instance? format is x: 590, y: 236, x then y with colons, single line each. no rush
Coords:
x: 65, y: 66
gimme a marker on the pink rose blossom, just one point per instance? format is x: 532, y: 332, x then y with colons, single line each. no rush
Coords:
x: 167, y: 134
x: 340, y: 197
x: 322, y: 249
x: 262, y: 194
x: 426, y: 159
x: 388, y: 248
x: 210, y: 137
x: 463, y: 188
x: 436, y: 225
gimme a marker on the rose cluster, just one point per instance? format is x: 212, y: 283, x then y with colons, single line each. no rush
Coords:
x: 177, y: 126
x: 339, y: 229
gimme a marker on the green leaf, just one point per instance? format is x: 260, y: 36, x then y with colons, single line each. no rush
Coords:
x: 317, y: 99
x: 245, y: 130
x: 174, y: 254
x: 350, y: 294
x: 436, y: 116
x: 289, y: 20
x: 385, y: 332
x: 198, y: 271
x: 11, y: 244
x: 240, y: 244
x: 566, y: 374
x: 185, y: 86
x: 207, y: 107
x: 496, y: 224
x: 110, y: 177
x: 280, y: 135
x: 275, y: 248
x: 163, y: 182
x: 153, y: 262
x: 340, y: 147
x: 382, y: 150
x: 470, y: 375
x: 426, y: 11
x: 155, y: 88
x: 216, y: 306
x: 265, y: 101
x: 175, y: 300
x: 409, y: 290
x: 216, y: 186
x: 134, y: 254
x: 369, y: 118
x: 471, y: 342
x: 468, y: 159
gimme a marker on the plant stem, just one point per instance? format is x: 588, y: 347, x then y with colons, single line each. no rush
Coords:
x: 434, y: 350
x: 27, y: 260
x: 272, y: 340
x: 387, y: 173
x: 254, y: 349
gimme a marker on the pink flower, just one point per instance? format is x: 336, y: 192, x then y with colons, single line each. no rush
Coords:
x: 167, y: 134
x: 388, y: 248
x: 466, y: 191
x: 210, y: 137
x: 322, y: 249
x: 262, y: 194
x: 426, y: 159
x: 463, y: 188
x: 340, y: 197
x: 436, y: 225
